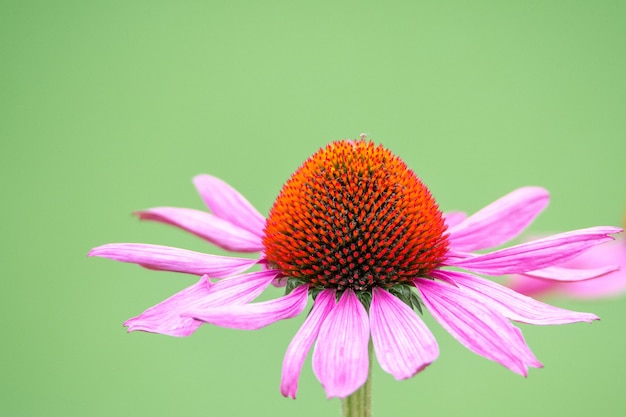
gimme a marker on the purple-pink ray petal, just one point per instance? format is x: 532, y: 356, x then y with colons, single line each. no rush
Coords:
x: 452, y: 257
x: 481, y: 330
x: 207, y: 226
x: 256, y: 315
x: 452, y: 218
x: 166, y: 318
x: 340, y: 357
x: 609, y: 285
x: 525, y: 353
x: 511, y: 304
x: 403, y: 344
x: 555, y: 273
x: 240, y: 289
x: 228, y: 204
x: 302, y: 342
x: 165, y: 258
x: 500, y: 221
x: 538, y: 254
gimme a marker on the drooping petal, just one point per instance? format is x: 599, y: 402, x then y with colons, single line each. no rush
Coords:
x: 483, y: 331
x: 529, y: 286
x: 528, y: 357
x: 610, y: 285
x: 403, y: 344
x: 340, y: 357
x: 452, y: 218
x: 510, y: 304
x: 165, y: 317
x: 555, y: 273
x: 256, y: 315
x: 538, y: 254
x: 500, y: 221
x: 207, y: 226
x: 240, y: 289
x: 228, y: 204
x: 302, y: 342
x: 594, y: 260
x: 452, y: 257
x: 166, y: 258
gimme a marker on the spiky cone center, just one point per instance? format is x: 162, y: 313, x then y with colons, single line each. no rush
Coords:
x: 354, y: 216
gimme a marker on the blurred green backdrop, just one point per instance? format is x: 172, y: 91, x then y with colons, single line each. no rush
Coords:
x: 107, y: 107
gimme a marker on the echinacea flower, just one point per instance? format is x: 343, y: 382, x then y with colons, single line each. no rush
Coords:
x: 610, y: 283
x: 357, y: 230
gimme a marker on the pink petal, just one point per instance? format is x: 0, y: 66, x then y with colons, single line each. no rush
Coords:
x: 481, y: 330
x: 165, y: 317
x: 254, y: 316
x: 538, y: 254
x: 240, y: 289
x: 608, y: 285
x: 404, y: 346
x: 529, y: 286
x: 452, y: 257
x: 500, y: 221
x: 302, y: 341
x: 555, y: 273
x: 340, y: 357
x: 524, y: 351
x: 218, y: 231
x: 452, y: 218
x: 510, y: 304
x: 228, y: 204
x: 166, y: 258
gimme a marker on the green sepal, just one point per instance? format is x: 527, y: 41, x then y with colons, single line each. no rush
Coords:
x: 416, y: 303
x: 315, y: 291
x: 406, y: 293
x: 365, y: 297
x: 292, y: 284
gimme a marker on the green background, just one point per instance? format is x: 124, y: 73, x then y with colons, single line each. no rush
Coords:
x: 110, y: 107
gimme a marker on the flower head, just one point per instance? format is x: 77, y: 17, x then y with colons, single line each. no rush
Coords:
x: 354, y: 216
x: 357, y: 230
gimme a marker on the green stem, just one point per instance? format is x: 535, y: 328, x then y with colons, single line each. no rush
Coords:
x: 359, y: 403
